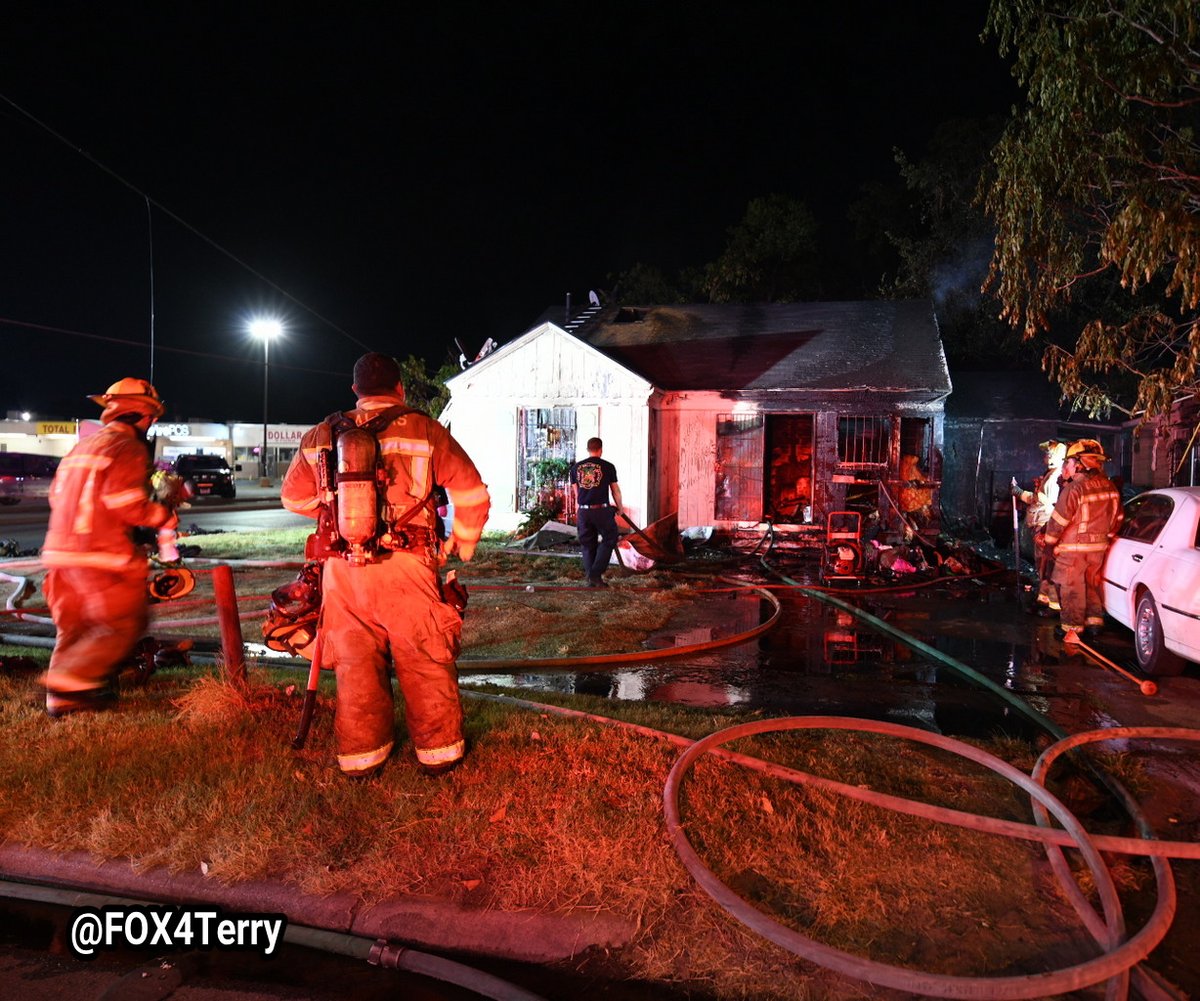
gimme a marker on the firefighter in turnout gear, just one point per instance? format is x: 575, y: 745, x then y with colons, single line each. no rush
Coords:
x: 1040, y: 501
x: 96, y: 584
x: 369, y: 477
x: 1084, y: 521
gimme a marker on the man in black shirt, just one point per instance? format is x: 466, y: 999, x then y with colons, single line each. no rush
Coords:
x: 594, y: 478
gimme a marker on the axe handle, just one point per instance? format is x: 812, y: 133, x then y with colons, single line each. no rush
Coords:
x: 310, y: 694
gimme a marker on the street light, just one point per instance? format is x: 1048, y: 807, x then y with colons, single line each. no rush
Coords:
x: 266, y: 330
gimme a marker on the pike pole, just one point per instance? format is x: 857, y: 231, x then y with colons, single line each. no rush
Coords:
x: 1016, y: 547
x: 310, y: 693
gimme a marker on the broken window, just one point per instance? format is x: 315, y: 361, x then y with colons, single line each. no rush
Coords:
x: 739, y: 486
x: 545, y: 451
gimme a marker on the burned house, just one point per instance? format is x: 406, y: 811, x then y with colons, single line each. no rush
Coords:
x: 732, y: 416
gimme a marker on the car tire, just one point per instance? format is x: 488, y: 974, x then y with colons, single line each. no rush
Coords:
x: 1153, y: 657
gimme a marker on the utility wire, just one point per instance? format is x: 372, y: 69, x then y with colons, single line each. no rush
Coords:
x: 139, y: 344
x: 182, y: 222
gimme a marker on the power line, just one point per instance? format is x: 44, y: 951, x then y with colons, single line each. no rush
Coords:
x: 139, y: 344
x: 182, y: 222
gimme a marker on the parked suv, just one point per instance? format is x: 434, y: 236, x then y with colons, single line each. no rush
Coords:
x: 25, y: 475
x: 208, y: 474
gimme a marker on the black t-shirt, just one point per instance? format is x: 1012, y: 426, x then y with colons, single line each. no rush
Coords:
x: 592, y: 476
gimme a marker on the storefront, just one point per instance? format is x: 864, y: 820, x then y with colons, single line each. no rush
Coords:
x: 282, y: 441
x: 35, y: 437
x: 172, y: 440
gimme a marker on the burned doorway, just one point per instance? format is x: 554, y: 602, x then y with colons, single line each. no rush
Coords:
x: 789, y: 451
x: 545, y: 451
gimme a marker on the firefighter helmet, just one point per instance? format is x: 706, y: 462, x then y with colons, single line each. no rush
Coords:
x: 291, y: 623
x: 129, y: 395
x: 1087, y: 452
x: 1056, y: 453
x: 171, y: 584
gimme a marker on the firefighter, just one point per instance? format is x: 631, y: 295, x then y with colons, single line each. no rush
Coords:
x: 594, y: 479
x: 96, y: 584
x: 914, y: 498
x: 382, y: 602
x: 1084, y: 520
x: 1039, y: 503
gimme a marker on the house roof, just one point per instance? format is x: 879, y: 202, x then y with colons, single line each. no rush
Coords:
x: 818, y: 346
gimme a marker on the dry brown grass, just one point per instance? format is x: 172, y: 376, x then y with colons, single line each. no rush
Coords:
x: 551, y: 814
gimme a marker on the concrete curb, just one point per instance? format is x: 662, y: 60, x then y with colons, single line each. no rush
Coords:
x: 423, y: 922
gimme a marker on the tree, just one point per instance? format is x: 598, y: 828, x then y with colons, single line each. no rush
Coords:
x: 771, y: 255
x: 425, y: 391
x: 1096, y: 194
x: 645, y: 284
x: 939, y: 239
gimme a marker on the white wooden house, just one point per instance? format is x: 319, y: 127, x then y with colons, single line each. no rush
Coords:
x: 729, y: 415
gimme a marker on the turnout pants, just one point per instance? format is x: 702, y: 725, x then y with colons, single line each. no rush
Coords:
x: 1078, y: 578
x: 100, y: 615
x: 384, y: 616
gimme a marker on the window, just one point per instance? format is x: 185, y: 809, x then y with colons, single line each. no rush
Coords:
x: 864, y: 441
x: 1145, y: 517
x: 545, y: 451
x: 739, y: 487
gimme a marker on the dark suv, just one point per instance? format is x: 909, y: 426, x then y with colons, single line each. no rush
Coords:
x: 208, y: 474
x: 25, y: 475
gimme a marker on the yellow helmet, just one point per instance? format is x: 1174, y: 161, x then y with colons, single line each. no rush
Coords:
x: 1055, y: 451
x: 1087, y: 452
x: 129, y: 395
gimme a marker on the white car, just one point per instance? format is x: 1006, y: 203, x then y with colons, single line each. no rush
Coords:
x: 1152, y: 577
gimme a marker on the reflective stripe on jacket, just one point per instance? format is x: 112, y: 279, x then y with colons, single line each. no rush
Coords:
x: 1087, y: 515
x: 100, y: 492
x: 417, y: 452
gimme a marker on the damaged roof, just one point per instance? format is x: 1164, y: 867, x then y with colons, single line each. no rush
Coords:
x: 751, y: 348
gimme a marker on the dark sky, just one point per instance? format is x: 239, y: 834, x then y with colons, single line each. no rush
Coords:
x: 409, y: 176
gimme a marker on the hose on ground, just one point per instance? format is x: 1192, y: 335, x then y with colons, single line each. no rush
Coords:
x: 377, y: 952
x: 1114, y: 963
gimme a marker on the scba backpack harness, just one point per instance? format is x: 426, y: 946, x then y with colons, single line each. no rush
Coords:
x: 352, y: 525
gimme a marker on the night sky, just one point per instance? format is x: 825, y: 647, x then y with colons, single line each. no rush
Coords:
x: 394, y: 181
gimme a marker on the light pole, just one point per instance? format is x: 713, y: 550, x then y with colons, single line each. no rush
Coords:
x: 266, y: 330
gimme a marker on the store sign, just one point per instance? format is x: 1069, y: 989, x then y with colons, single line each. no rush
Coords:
x: 169, y: 431
x: 55, y: 427
x: 284, y: 435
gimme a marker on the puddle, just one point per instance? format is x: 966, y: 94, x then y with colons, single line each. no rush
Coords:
x: 821, y: 660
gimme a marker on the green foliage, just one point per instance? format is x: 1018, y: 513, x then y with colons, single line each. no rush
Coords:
x: 645, y: 284
x: 550, y: 482
x: 423, y: 390
x: 771, y: 255
x: 1097, y: 183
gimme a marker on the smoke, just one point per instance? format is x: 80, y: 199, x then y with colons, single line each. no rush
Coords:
x: 960, y: 276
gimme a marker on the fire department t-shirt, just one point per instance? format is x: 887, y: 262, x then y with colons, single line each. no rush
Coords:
x: 593, y: 475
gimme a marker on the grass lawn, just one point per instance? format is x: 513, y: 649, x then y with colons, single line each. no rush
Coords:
x: 553, y: 814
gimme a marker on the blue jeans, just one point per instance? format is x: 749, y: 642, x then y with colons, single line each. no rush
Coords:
x: 597, y: 537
